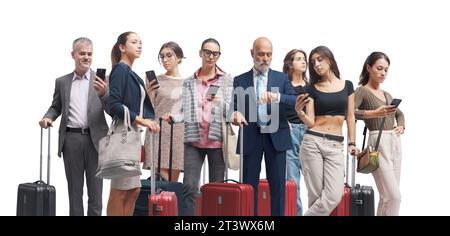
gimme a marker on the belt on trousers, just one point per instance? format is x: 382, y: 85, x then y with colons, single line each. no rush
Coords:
x: 78, y: 130
x: 328, y: 136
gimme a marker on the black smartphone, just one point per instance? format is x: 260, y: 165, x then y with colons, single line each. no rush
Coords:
x: 101, y: 73
x: 212, y: 90
x: 395, y: 102
x: 299, y: 90
x: 151, y: 76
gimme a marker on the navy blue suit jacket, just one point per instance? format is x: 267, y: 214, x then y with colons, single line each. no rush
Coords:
x: 281, y: 137
x: 124, y: 89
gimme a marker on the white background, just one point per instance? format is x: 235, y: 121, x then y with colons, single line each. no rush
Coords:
x: 36, y: 39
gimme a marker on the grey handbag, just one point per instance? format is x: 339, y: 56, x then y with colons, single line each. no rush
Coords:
x: 120, y: 150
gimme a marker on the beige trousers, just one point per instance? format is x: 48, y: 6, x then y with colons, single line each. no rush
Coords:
x: 387, y: 176
x: 323, y: 170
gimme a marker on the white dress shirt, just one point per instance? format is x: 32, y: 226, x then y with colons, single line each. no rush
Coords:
x: 79, y: 101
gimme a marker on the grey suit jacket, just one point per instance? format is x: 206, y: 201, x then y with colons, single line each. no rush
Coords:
x: 96, y: 105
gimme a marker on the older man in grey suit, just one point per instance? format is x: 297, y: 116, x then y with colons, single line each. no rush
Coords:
x: 80, y: 97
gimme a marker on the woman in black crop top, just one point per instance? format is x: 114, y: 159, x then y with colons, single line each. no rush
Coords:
x: 295, y: 66
x: 329, y: 102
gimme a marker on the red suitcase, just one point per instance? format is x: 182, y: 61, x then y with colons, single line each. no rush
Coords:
x: 264, y: 198
x: 163, y: 204
x: 291, y: 198
x: 228, y: 199
x: 343, y: 209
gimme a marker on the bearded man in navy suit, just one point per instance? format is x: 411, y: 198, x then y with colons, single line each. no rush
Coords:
x: 260, y: 96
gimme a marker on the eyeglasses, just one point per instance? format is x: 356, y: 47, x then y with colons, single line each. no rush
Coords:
x: 208, y: 53
x: 168, y: 56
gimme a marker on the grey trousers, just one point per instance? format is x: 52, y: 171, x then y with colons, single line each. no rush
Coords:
x: 193, y: 162
x: 323, y: 170
x: 80, y: 158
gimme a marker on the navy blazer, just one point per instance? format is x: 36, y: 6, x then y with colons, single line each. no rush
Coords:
x: 124, y: 89
x: 281, y: 137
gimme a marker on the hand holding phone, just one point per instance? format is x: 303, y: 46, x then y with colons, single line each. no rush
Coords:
x: 151, y: 76
x: 101, y: 73
x: 301, y: 102
x: 396, y: 102
x: 212, y: 91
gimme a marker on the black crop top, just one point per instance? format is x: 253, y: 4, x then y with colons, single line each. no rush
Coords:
x: 333, y: 104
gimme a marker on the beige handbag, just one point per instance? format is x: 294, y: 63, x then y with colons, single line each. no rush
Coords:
x: 120, y: 150
x: 229, y: 147
x: 229, y: 143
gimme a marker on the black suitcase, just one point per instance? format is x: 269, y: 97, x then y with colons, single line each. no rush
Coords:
x: 362, y: 198
x: 38, y: 198
x: 141, y: 206
x: 362, y: 201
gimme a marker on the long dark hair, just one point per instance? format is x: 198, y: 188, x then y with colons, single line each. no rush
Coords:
x: 370, y: 61
x: 212, y: 40
x: 116, y: 54
x: 325, y: 53
x: 174, y: 47
x: 289, y: 59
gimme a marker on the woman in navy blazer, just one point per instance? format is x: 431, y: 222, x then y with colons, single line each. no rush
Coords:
x: 127, y: 88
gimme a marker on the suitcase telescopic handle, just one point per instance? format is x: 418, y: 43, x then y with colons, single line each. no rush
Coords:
x: 152, y: 164
x: 225, y: 150
x: 152, y: 173
x: 350, y: 167
x: 227, y: 142
x: 241, y: 156
x: 353, y: 169
x: 171, y: 122
x: 159, y: 148
x: 41, y: 156
x: 158, y: 173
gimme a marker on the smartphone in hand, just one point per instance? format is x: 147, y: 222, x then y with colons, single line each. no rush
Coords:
x: 101, y: 73
x: 395, y: 102
x: 151, y: 76
x: 299, y: 90
x: 212, y: 91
